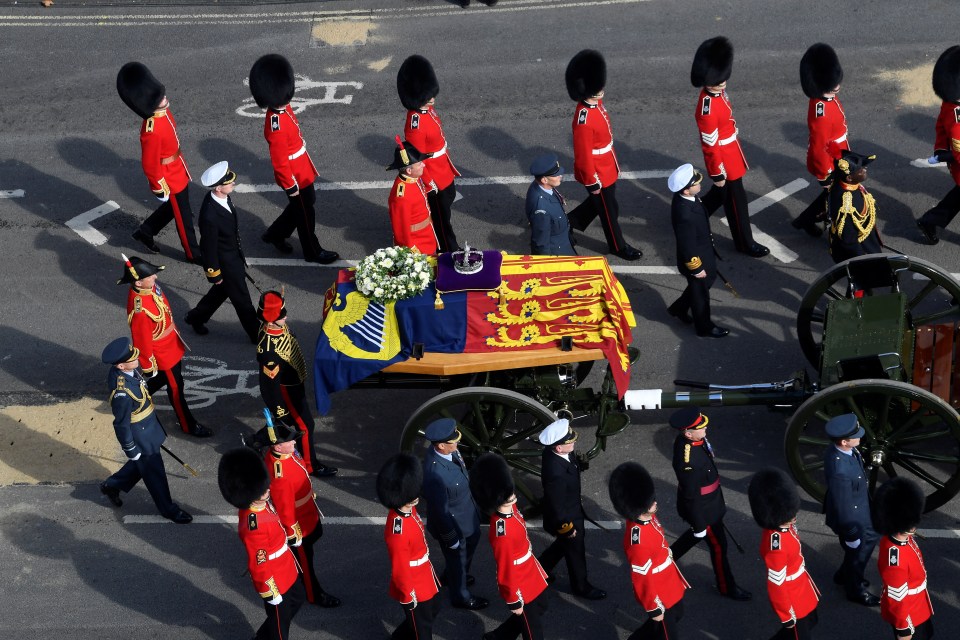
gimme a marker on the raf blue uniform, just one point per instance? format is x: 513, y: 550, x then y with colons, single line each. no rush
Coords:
x: 546, y: 213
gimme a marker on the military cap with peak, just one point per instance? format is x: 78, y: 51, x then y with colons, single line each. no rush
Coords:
x: 119, y: 351
x: 442, y: 430
x: 546, y: 165
x: 683, y: 177
x: 558, y: 432
x: 844, y: 427
x: 217, y: 175
x: 688, y: 418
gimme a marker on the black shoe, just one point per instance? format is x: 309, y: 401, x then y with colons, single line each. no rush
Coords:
x: 145, y: 240
x: 684, y: 317
x: 716, y: 332
x: 629, y: 253
x: 180, y: 517
x: 470, y: 580
x: 327, y: 601
x: 864, y: 597
x: 323, y: 471
x: 738, y: 594
x: 812, y: 228
x: 475, y: 603
x: 200, y: 431
x: 592, y: 593
x: 113, y: 494
x: 199, y: 328
x: 929, y: 232
x: 757, y: 250
x: 324, y: 257
x: 280, y: 245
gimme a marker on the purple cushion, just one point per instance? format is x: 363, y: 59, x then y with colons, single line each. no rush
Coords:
x: 486, y: 279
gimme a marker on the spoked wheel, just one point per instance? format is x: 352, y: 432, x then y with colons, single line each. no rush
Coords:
x: 490, y: 419
x: 932, y: 293
x: 909, y: 432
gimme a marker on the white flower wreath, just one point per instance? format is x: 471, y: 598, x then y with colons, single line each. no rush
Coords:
x: 394, y: 273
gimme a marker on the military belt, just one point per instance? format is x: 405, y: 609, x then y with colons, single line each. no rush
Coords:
x: 299, y: 153
x: 419, y: 561
x: 606, y: 149
x: 420, y: 225
x: 710, y: 488
x: 729, y: 140
x: 279, y: 552
x: 140, y: 415
x: 171, y: 158
x: 524, y: 557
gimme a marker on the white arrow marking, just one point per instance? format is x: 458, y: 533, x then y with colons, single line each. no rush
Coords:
x: 81, y: 223
x: 777, y: 250
x: 13, y: 193
x: 921, y: 163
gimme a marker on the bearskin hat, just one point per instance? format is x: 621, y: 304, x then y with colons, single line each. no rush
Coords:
x: 271, y: 81
x: 773, y: 497
x: 242, y: 477
x: 631, y: 490
x: 820, y: 70
x: 399, y: 481
x: 491, y: 482
x: 139, y: 90
x: 712, y: 63
x: 416, y: 82
x: 586, y: 75
x: 946, y: 75
x: 897, y: 506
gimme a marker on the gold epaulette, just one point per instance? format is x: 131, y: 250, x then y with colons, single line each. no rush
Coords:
x: 686, y: 452
x: 694, y: 263
x: 400, y: 187
x: 149, y: 125
x: 277, y: 469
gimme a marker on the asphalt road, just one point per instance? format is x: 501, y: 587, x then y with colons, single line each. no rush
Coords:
x: 74, y: 568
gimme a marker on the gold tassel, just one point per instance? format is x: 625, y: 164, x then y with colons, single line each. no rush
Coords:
x: 503, y: 294
x: 438, y: 303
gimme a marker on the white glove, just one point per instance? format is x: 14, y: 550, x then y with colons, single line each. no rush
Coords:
x: 297, y: 542
x: 163, y: 198
x: 700, y: 534
x: 275, y: 600
x: 456, y: 545
x: 933, y: 159
x: 135, y: 458
x: 854, y: 544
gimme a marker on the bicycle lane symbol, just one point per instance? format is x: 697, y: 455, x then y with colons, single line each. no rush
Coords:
x: 208, y: 379
x: 333, y: 93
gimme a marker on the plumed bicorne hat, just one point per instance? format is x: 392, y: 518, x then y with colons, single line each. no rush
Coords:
x: 820, y: 70
x: 242, y: 477
x: 897, y: 506
x: 416, y: 82
x: 136, y: 268
x: 491, y: 482
x: 631, y: 490
x: 712, y: 63
x: 399, y: 481
x: 271, y: 81
x: 946, y: 75
x: 773, y: 498
x: 139, y: 90
x: 586, y: 75
x: 405, y: 154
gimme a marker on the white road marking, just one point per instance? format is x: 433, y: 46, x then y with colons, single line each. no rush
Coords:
x: 378, y: 521
x: 777, y: 249
x: 81, y: 223
x: 12, y: 193
x: 921, y: 163
x: 299, y: 103
x: 939, y: 533
x: 644, y: 270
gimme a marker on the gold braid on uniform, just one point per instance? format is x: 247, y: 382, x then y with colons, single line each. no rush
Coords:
x: 287, y: 349
x: 864, y: 220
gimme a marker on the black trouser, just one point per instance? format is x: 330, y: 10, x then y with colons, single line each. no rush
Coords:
x: 299, y: 214
x: 457, y: 567
x: 921, y: 632
x: 733, y: 197
x: 799, y: 631
x: 526, y: 625
x: 944, y: 211
x: 665, y: 629
x: 295, y: 397
x: 440, y: 203
x: 305, y: 554
x: 177, y: 208
x: 417, y: 622
x: 234, y: 287
x: 172, y: 379
x: 816, y: 210
x: 573, y: 549
x: 150, y: 470
x: 855, y: 561
x: 696, y: 299
x: 603, y: 204
x: 717, y: 541
x: 277, y: 624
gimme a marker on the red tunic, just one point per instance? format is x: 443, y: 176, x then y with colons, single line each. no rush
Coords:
x: 827, y: 123
x: 153, y: 330
x: 657, y: 581
x: 410, y: 215
x: 793, y: 595
x: 160, y: 156
x: 948, y: 135
x: 594, y: 160
x: 519, y: 574
x: 904, y: 601
x: 722, y: 154
x: 412, y: 578
x: 272, y: 566
x: 425, y: 131
x: 292, y: 494
x: 292, y: 166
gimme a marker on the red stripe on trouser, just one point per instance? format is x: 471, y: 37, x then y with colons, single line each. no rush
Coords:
x: 413, y: 623
x: 606, y: 214
x: 305, y: 444
x: 276, y: 612
x: 663, y: 625
x: 717, y: 560
x: 176, y: 395
x: 526, y: 623
x: 181, y: 231
x: 307, y: 571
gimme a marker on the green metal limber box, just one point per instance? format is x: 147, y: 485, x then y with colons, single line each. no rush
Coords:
x: 856, y: 328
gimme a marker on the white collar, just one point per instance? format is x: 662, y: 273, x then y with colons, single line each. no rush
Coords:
x: 690, y: 198
x: 848, y: 453
x: 223, y: 202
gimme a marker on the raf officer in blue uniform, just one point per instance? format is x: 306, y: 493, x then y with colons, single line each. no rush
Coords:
x: 549, y: 227
x: 847, y: 506
x: 453, y: 518
x: 139, y: 432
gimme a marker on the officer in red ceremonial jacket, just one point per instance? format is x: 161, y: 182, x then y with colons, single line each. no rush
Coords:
x: 413, y: 582
x: 409, y: 203
x: 162, y: 161
x: 774, y: 502
x: 418, y: 88
x: 293, y: 498
x: 245, y: 484
x: 272, y: 85
x: 657, y: 582
x: 594, y: 160
x: 820, y: 78
x: 155, y: 334
x: 722, y: 154
x: 519, y: 575
x: 946, y: 83
x: 905, y: 600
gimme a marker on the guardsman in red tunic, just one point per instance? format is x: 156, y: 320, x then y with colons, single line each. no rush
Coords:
x: 162, y: 161
x: 272, y: 85
x: 820, y: 78
x: 774, y: 502
x: 722, y: 155
x: 413, y: 582
x: 245, y: 484
x: 155, y: 334
x: 657, y: 582
x: 409, y: 203
x: 418, y: 88
x: 594, y: 160
x: 946, y: 83
x: 905, y: 599
x: 519, y: 575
